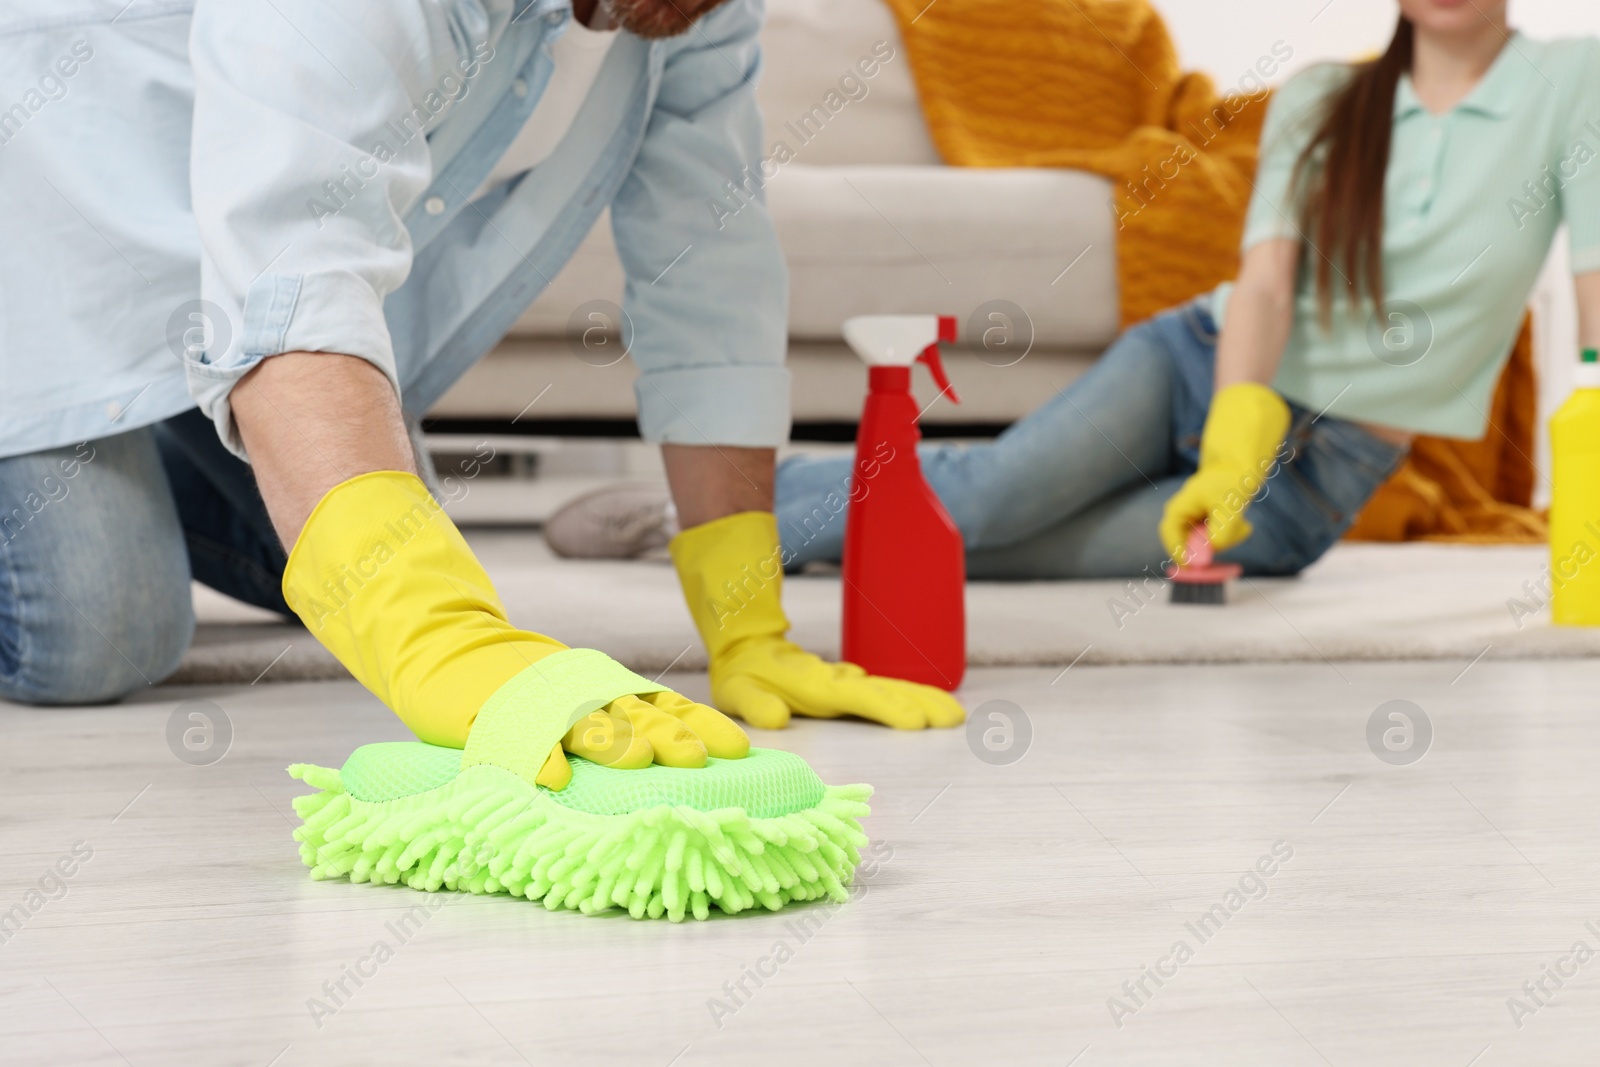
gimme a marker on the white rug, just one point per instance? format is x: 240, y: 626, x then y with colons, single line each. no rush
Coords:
x: 1361, y: 602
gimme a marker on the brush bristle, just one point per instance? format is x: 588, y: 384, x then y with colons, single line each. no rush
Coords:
x: 1199, y: 593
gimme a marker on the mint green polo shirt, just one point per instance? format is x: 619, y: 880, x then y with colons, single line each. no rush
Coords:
x: 1472, y: 201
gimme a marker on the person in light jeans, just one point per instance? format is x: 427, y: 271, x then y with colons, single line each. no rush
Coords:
x: 1378, y: 297
x: 1077, y: 488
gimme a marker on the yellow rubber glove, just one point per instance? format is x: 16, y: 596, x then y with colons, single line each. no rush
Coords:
x: 382, y: 577
x: 1238, y: 450
x: 732, y: 575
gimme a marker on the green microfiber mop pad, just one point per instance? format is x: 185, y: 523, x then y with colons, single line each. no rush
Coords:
x: 656, y: 841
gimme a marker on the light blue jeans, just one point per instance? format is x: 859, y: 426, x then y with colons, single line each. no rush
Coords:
x: 1076, y: 488
x: 98, y: 542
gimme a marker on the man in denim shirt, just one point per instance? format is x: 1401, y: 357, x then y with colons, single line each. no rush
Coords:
x: 276, y: 210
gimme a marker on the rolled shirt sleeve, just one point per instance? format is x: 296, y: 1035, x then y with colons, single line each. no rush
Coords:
x: 308, y: 147
x: 707, y: 287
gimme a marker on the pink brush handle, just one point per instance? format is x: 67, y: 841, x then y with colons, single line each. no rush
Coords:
x: 1199, y: 546
x: 1202, y: 568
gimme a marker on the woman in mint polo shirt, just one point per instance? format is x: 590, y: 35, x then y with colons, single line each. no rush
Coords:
x: 1428, y: 183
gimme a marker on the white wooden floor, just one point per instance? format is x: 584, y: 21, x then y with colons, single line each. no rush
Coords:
x: 1011, y: 902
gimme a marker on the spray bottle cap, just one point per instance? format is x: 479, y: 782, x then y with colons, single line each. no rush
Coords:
x: 901, y: 340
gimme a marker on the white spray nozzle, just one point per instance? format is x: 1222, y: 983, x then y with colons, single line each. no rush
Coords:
x: 891, y: 340
x: 901, y: 340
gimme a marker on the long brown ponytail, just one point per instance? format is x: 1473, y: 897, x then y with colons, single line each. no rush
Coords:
x: 1342, y: 212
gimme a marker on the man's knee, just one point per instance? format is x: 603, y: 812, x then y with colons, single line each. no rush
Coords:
x: 78, y: 649
x: 94, y: 580
x: 92, y: 643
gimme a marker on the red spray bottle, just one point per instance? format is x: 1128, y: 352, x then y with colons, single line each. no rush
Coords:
x: 905, y: 565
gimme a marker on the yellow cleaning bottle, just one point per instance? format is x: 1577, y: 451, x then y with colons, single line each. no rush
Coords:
x: 1575, y: 501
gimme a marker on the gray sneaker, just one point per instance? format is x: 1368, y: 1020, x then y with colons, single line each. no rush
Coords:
x: 619, y: 522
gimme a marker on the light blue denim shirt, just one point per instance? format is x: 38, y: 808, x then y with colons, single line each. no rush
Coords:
x: 188, y: 188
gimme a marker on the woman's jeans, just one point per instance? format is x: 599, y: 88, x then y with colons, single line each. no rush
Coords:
x: 1076, y: 488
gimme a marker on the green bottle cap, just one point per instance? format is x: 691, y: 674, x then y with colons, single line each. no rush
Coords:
x: 1591, y: 355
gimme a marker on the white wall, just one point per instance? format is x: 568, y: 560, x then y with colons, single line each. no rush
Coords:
x: 1226, y: 38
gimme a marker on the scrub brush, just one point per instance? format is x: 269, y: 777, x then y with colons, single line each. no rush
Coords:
x: 1200, y: 580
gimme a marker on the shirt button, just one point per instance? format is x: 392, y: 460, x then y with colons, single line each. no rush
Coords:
x: 113, y: 411
x: 520, y: 88
x: 434, y: 205
x: 554, y: 17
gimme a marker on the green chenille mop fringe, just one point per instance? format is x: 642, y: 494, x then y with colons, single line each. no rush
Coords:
x: 656, y: 841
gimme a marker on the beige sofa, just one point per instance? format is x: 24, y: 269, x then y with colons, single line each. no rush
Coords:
x: 871, y: 222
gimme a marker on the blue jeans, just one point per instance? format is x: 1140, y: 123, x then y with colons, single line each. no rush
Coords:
x: 98, y: 543
x: 1076, y: 488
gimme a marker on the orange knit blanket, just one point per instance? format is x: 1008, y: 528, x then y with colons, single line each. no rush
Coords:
x: 1095, y: 85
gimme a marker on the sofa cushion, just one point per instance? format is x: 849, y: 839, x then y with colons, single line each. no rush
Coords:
x: 835, y: 87
x: 895, y: 239
x: 540, y: 379
x: 814, y: 48
x: 912, y: 239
